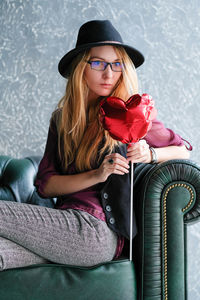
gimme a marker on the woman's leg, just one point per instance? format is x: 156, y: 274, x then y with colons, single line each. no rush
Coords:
x: 66, y: 237
x: 13, y: 256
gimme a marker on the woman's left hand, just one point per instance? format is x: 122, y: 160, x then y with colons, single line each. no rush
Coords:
x: 139, y: 152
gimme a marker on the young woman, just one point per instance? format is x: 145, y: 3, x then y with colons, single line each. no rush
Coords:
x: 83, y: 167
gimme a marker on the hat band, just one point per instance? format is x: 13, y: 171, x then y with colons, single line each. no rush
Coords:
x: 104, y: 42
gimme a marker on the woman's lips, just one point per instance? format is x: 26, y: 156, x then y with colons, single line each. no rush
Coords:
x: 105, y: 85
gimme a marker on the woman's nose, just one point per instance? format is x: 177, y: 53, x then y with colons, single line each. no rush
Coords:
x: 108, y: 72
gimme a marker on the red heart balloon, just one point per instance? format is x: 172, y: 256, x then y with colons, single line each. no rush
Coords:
x: 127, y: 121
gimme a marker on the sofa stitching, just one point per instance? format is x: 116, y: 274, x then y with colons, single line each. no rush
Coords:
x: 165, y: 227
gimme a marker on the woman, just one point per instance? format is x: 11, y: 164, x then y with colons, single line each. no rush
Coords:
x: 82, y: 165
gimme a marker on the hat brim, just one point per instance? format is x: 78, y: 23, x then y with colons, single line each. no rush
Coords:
x: 64, y: 67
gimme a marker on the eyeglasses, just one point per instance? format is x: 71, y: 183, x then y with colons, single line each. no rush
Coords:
x: 100, y: 65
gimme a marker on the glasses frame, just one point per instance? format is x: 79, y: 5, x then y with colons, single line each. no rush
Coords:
x: 105, y: 65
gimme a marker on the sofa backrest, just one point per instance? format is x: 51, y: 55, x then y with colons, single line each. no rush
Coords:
x: 17, y: 181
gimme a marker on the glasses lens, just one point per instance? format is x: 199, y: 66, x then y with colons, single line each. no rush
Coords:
x: 117, y: 66
x: 98, y: 65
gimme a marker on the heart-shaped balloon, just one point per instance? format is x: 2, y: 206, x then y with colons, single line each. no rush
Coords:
x: 127, y: 121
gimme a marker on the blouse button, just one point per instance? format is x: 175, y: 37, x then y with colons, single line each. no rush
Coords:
x: 108, y: 208
x: 112, y: 221
x: 105, y: 195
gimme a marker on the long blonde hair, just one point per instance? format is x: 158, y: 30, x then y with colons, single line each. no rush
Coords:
x: 81, y: 138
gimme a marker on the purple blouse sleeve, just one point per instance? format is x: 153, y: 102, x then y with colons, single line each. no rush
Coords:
x: 160, y: 136
x: 49, y: 164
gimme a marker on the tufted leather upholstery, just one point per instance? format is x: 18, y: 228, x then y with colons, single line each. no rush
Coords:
x: 17, y: 181
x: 167, y: 198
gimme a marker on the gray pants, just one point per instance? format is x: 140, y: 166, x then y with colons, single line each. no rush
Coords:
x: 34, y: 234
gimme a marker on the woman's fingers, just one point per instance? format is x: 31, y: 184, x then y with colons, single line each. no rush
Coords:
x: 116, y: 163
x: 112, y: 164
x: 116, y: 156
x: 139, y: 152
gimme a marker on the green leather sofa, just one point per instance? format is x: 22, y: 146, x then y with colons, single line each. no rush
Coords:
x: 166, y: 199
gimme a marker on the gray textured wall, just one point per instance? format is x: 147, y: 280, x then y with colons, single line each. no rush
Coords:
x: 34, y: 34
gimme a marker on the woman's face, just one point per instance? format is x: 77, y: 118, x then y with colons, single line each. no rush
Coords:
x: 101, y: 83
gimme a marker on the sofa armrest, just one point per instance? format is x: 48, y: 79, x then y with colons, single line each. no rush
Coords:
x: 167, y: 199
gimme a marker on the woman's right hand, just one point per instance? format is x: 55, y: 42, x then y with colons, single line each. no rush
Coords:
x: 67, y: 184
x: 112, y: 164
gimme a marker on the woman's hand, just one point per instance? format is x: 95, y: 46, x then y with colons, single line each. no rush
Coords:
x: 112, y: 164
x: 67, y: 184
x: 139, y: 152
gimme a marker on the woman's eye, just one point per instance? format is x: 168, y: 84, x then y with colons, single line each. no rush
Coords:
x: 117, y: 64
x: 96, y: 63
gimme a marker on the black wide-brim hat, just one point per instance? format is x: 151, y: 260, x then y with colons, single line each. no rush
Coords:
x: 93, y: 34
